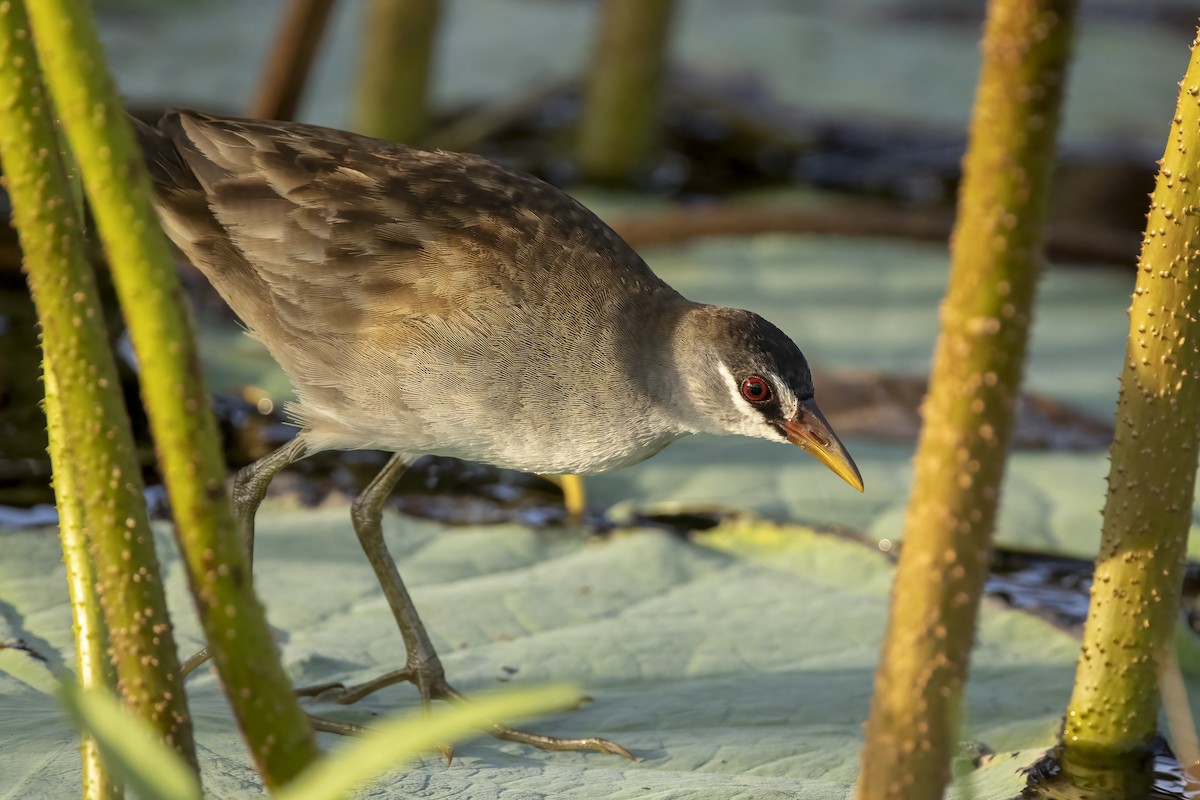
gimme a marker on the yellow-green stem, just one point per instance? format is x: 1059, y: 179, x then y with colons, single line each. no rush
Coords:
x: 91, y: 636
x: 276, y: 730
x: 620, y: 112
x: 392, y: 101
x: 102, y: 483
x: 968, y: 414
x: 1151, y: 481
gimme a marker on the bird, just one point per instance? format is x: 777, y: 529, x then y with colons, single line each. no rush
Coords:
x: 429, y: 302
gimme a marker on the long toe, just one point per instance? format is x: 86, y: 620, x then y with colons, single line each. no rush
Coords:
x: 337, y: 692
x: 432, y: 685
x: 543, y: 742
x: 429, y: 679
x: 326, y: 725
x: 330, y: 690
x: 539, y: 740
x: 195, y: 660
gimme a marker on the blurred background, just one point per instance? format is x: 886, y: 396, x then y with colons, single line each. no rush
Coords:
x: 799, y: 158
x: 865, y: 96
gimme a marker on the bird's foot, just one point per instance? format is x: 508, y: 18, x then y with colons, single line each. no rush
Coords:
x: 336, y: 726
x: 432, y: 685
x: 336, y: 692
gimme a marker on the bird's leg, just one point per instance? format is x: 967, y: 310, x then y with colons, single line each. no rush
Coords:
x: 574, y: 495
x: 422, y: 666
x: 249, y: 488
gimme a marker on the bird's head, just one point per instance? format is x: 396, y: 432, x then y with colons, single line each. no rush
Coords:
x: 743, y: 375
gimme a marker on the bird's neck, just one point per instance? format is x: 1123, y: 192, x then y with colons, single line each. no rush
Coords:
x: 685, y: 360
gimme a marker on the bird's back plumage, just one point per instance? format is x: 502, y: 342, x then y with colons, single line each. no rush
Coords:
x: 422, y: 301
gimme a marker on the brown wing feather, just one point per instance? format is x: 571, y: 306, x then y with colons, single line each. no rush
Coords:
x: 374, y: 272
x: 327, y: 214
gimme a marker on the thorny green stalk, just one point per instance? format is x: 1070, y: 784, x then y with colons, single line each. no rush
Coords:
x: 276, y: 730
x: 90, y: 634
x: 102, y: 484
x: 1151, y: 481
x: 968, y: 413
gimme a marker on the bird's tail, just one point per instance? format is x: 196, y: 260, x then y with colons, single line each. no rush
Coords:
x: 167, y: 167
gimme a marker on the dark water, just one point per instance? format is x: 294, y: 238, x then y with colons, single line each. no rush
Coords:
x: 1153, y: 775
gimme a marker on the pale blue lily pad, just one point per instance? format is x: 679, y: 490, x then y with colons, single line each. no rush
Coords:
x: 737, y: 666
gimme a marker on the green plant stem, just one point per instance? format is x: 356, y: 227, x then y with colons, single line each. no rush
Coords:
x: 276, y: 730
x: 102, y: 481
x: 1151, y: 482
x: 394, y: 71
x: 90, y: 634
x: 968, y: 413
x: 620, y: 112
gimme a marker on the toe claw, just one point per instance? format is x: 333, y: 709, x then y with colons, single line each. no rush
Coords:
x: 611, y: 747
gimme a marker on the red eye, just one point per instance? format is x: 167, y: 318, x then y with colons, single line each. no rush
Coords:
x: 756, y: 390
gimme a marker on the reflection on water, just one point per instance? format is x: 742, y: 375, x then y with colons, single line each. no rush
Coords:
x: 1070, y: 775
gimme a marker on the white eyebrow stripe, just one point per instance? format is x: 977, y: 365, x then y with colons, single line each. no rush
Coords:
x: 735, y: 390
